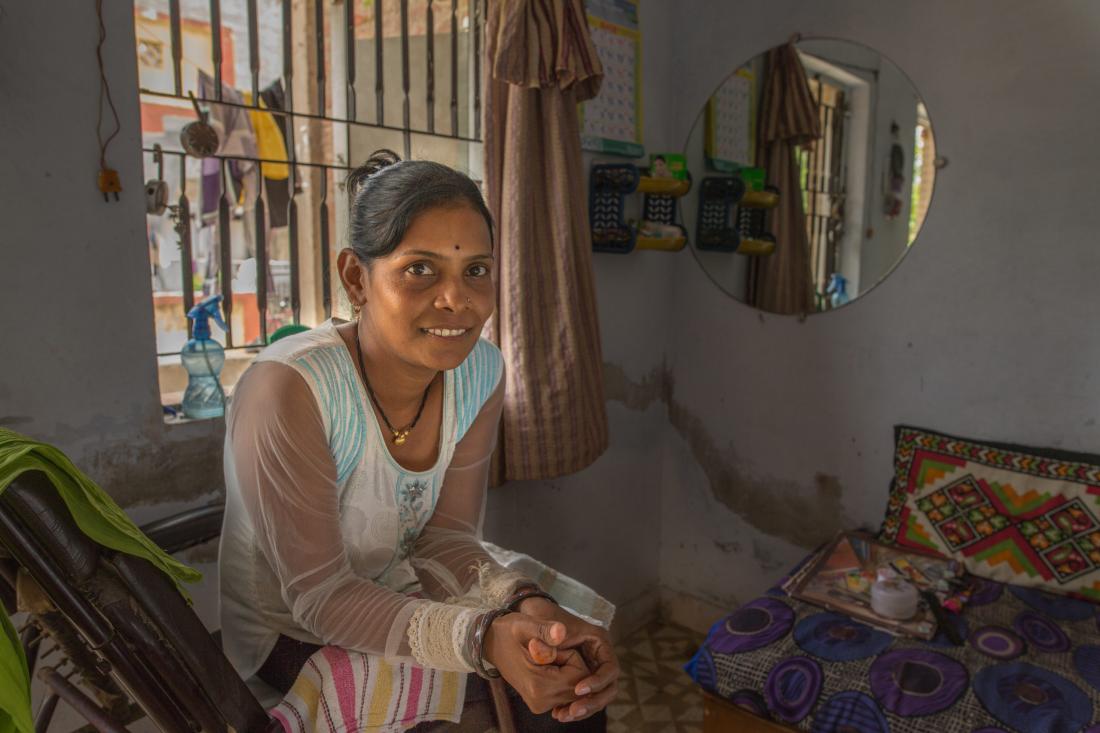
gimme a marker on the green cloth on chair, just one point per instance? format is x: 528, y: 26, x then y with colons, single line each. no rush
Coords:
x: 99, y: 517
x: 15, y: 683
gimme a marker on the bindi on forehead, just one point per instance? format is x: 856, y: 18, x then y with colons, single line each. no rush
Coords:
x: 457, y: 247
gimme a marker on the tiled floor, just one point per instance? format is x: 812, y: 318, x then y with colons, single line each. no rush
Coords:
x: 655, y: 694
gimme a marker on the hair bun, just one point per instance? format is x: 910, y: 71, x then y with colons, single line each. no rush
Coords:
x: 378, y: 160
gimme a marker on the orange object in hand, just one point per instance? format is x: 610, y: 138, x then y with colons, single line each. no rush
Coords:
x: 541, y: 652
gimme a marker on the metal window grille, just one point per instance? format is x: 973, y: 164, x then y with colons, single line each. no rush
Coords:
x: 344, y: 68
x: 823, y: 171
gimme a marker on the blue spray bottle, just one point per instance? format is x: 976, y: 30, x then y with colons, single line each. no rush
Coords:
x: 837, y: 289
x: 203, y: 358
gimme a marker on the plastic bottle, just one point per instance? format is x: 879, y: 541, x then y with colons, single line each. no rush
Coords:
x: 203, y: 358
x: 837, y: 290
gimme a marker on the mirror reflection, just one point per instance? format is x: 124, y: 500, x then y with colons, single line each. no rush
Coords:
x: 813, y: 167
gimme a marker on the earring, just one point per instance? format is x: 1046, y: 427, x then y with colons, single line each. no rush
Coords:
x: 355, y: 309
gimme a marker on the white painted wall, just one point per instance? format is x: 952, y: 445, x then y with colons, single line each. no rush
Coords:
x: 986, y: 329
x: 74, y: 274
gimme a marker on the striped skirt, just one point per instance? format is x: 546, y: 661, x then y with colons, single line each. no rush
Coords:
x: 342, y: 691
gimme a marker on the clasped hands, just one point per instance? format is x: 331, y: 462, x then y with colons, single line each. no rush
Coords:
x: 554, y: 660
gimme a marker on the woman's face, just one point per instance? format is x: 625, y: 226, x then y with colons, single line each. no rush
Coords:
x: 428, y: 300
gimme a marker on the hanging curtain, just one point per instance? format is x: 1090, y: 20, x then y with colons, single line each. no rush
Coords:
x: 540, y: 63
x: 782, y: 282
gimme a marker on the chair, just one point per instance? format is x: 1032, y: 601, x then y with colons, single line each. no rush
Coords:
x: 129, y: 635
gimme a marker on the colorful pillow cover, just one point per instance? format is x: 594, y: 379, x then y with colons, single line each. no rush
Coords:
x: 1025, y: 516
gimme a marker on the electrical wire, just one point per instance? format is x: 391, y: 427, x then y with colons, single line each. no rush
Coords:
x: 104, y: 91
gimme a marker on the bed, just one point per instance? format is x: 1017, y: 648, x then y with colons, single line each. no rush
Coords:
x: 1030, y: 658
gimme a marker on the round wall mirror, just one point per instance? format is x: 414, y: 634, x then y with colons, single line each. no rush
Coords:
x: 813, y: 166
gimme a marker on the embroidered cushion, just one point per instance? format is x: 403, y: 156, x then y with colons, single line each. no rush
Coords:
x: 1025, y: 516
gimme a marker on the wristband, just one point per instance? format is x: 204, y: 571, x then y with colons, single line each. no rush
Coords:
x: 480, y: 633
x: 521, y: 595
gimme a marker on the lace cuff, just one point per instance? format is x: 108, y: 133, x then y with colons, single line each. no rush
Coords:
x: 499, y: 583
x: 438, y: 636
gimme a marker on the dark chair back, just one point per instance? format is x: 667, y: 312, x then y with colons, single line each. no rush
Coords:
x: 130, y: 618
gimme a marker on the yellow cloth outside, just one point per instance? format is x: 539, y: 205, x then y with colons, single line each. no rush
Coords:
x: 269, y: 141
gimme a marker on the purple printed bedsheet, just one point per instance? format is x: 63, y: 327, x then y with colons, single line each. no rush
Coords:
x: 1030, y: 663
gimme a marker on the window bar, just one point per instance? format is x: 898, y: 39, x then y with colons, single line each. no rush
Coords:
x: 254, y: 51
x: 216, y: 45
x: 183, y: 228
x: 288, y: 76
x: 477, y: 29
x: 454, y: 67
x: 303, y: 115
x: 379, y: 83
x: 319, y: 42
x: 292, y: 179
x: 292, y: 228
x: 225, y: 253
x: 261, y: 261
x: 406, y: 111
x: 811, y: 215
x: 431, y: 69
x: 830, y: 187
x: 326, y: 275
x: 349, y: 62
x: 177, y: 45
x: 259, y: 161
x: 840, y: 183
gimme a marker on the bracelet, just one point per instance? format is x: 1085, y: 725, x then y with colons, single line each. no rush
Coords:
x: 482, y: 629
x: 521, y: 595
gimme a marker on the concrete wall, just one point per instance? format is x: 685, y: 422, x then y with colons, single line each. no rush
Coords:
x: 986, y: 329
x: 75, y: 287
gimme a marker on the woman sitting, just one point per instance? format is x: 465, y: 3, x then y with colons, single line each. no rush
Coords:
x: 356, y: 463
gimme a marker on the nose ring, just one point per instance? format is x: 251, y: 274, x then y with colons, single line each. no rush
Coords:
x: 468, y: 301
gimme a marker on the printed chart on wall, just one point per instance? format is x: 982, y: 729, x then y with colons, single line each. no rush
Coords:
x: 729, y: 123
x: 612, y: 122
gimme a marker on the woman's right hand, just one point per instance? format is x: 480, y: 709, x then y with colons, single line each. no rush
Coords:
x: 542, y: 686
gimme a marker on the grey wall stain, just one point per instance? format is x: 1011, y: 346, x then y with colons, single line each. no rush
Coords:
x: 803, y: 516
x: 168, y: 463
x: 160, y: 472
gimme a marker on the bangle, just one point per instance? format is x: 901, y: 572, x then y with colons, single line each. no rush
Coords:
x: 480, y: 632
x: 521, y: 595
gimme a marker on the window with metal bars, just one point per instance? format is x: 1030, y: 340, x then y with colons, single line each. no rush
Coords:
x: 823, y: 172
x: 301, y: 90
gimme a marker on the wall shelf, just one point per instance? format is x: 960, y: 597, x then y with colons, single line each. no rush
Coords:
x: 608, y: 186
x: 732, y: 219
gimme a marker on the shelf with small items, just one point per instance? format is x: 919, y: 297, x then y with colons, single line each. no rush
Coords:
x: 608, y: 186
x: 732, y: 217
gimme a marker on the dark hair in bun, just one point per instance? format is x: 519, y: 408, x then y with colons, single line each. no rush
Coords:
x: 387, y: 193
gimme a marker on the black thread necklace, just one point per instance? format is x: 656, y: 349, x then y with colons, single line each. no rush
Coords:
x: 399, y: 436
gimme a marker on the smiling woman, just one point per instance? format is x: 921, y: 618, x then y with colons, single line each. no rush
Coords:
x: 357, y: 457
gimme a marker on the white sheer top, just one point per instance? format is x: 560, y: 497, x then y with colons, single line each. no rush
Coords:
x: 325, y: 534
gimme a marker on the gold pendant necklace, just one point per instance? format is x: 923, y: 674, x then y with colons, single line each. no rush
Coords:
x: 399, y: 436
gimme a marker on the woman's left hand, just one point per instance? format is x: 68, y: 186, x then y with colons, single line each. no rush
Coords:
x: 597, y: 690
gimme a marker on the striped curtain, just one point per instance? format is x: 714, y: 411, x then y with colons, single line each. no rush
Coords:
x: 540, y: 63
x: 782, y: 282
